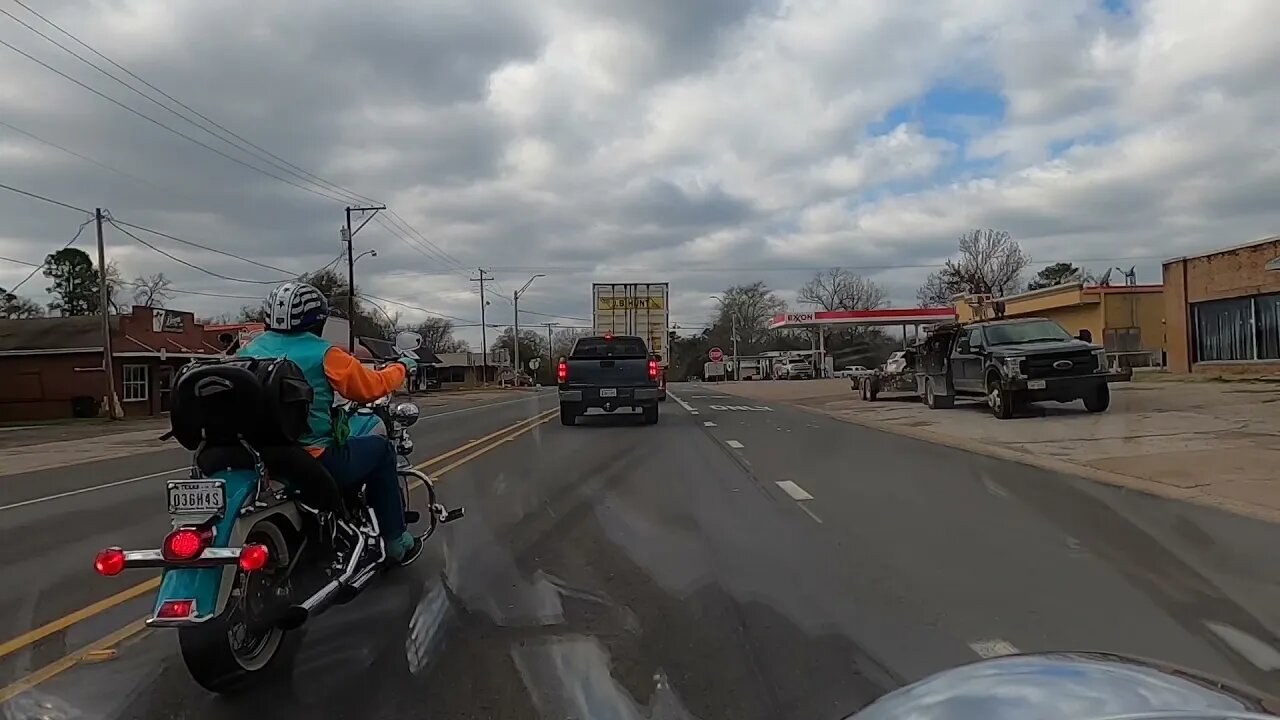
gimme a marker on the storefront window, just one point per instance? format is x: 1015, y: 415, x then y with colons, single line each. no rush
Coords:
x: 1267, y: 308
x: 1224, y: 330
x: 135, y: 383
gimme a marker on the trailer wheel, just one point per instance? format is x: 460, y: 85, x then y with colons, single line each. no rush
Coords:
x: 874, y: 390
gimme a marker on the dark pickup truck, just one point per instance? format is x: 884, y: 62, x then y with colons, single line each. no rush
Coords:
x: 1011, y: 363
x: 608, y: 372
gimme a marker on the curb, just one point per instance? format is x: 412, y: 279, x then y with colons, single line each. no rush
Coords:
x: 1106, y: 477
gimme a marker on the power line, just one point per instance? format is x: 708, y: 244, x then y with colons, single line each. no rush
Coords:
x: 553, y: 315
x: 418, y: 247
x: 42, y: 198
x: 193, y: 266
x: 300, y: 172
x: 152, y: 120
x: 37, y: 268
x: 86, y: 158
x: 167, y: 236
x: 20, y: 262
x: 415, y: 307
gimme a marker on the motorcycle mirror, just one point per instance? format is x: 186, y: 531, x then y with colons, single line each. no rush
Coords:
x: 408, y: 340
x: 406, y: 413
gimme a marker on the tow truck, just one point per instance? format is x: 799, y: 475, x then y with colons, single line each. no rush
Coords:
x: 1009, y: 362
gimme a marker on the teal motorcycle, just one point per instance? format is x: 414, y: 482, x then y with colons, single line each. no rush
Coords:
x: 262, y: 538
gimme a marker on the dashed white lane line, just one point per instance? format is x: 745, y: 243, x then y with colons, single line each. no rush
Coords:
x: 682, y: 403
x: 733, y: 444
x: 708, y: 423
x: 994, y: 647
x: 795, y: 491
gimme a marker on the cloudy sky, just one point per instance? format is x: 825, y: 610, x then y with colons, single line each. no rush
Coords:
x: 700, y: 142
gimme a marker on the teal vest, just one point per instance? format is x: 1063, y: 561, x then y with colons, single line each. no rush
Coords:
x: 307, y: 350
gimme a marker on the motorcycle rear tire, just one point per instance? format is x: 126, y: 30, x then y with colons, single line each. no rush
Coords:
x: 207, y: 651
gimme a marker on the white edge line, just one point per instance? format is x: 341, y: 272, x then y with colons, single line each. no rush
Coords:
x: 733, y: 443
x: 682, y: 403
x: 708, y: 423
x: 81, y: 491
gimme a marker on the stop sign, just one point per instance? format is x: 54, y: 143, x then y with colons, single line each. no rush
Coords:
x: 715, y: 354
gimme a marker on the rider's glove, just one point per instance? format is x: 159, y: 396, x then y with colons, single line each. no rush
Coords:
x: 409, y: 364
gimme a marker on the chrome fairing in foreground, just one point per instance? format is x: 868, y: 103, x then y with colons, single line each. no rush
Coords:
x: 1066, y: 686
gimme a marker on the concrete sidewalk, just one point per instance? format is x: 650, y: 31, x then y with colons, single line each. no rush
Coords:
x: 1212, y: 443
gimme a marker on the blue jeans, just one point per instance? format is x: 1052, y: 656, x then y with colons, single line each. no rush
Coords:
x: 370, y: 460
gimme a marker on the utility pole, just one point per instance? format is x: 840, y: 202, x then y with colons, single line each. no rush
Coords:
x: 484, y: 339
x: 515, y: 326
x: 104, y: 302
x: 347, y: 235
x: 551, y: 360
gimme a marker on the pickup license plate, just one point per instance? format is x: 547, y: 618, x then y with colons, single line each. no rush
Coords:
x: 608, y: 392
x: 1035, y: 384
x: 197, y: 497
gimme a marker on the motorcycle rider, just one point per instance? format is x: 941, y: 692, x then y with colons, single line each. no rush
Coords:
x: 296, y: 314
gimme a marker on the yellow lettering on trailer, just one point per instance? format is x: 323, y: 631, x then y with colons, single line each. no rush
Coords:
x: 630, y: 303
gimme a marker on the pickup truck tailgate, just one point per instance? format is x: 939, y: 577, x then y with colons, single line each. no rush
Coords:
x: 608, y: 372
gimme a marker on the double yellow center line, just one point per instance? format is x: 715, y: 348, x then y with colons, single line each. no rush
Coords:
x: 478, y: 447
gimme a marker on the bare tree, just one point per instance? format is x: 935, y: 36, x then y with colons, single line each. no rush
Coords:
x: 14, y: 307
x: 562, y: 341
x: 754, y: 306
x: 839, y: 289
x: 437, y: 336
x: 990, y: 263
x: 151, y: 290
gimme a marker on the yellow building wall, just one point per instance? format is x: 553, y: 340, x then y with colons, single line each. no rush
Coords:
x: 1074, y: 318
x: 1143, y: 310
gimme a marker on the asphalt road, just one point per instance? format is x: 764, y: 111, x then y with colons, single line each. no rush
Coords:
x: 746, y: 561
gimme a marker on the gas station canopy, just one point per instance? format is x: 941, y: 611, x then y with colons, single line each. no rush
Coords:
x: 887, y: 316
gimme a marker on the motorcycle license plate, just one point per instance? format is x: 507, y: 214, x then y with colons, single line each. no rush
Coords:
x: 196, y: 497
x: 1035, y: 384
x: 608, y: 392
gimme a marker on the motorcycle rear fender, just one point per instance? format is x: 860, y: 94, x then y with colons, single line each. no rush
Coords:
x: 210, y: 587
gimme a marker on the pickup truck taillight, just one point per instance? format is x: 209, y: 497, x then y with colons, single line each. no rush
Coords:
x: 562, y: 372
x: 653, y: 369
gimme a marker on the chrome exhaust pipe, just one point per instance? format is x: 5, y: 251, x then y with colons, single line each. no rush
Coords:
x: 296, y: 615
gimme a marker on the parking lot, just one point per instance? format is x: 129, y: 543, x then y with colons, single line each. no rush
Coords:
x: 1207, y: 442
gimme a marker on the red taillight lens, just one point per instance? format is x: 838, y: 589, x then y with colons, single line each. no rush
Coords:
x: 109, y: 562
x: 653, y: 369
x: 176, y: 609
x: 184, y: 544
x: 562, y: 372
x: 254, y: 557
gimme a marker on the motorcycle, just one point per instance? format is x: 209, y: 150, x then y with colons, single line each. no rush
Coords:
x: 253, y: 552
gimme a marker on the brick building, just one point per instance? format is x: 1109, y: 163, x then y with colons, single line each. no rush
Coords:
x: 1222, y: 310
x: 52, y: 367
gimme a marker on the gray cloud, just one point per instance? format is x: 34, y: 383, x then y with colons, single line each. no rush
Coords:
x: 703, y: 143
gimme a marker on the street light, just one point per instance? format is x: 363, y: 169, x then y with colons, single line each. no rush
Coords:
x: 515, y: 332
x: 373, y: 253
x: 733, y: 333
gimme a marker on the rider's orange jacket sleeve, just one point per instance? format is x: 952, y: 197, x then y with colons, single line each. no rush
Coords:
x: 357, y: 382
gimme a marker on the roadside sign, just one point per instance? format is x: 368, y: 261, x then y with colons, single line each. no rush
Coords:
x: 715, y: 354
x: 535, y: 363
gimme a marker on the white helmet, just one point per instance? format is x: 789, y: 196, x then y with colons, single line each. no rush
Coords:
x: 296, y: 306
